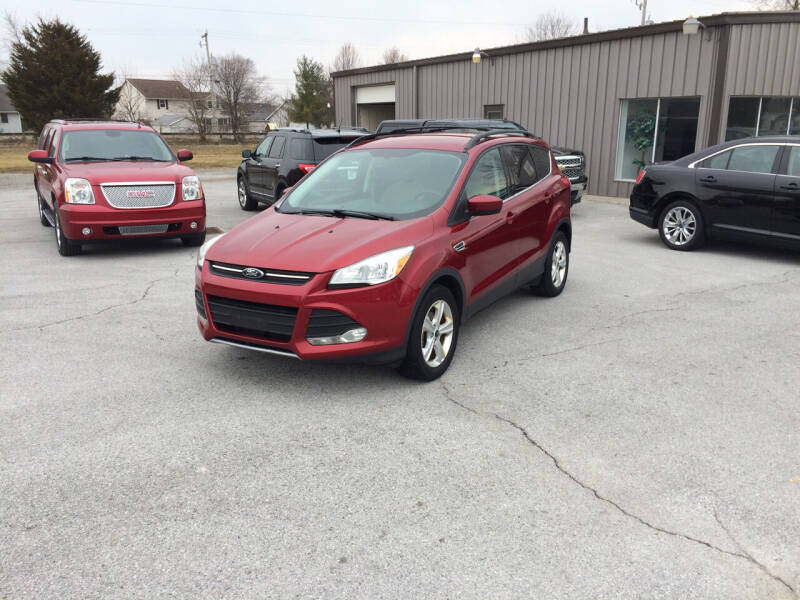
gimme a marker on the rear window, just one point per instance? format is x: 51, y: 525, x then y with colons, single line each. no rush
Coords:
x: 324, y: 147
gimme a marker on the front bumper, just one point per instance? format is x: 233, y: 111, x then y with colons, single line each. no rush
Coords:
x: 384, y: 310
x: 578, y: 189
x: 105, y: 222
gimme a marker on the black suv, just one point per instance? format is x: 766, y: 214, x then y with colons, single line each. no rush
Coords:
x: 571, y: 162
x: 283, y: 158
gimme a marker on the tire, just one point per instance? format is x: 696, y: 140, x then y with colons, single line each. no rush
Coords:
x: 246, y: 202
x: 66, y: 247
x: 681, y: 226
x: 278, y: 194
x: 42, y: 218
x: 438, y: 303
x: 556, y: 268
x: 194, y: 240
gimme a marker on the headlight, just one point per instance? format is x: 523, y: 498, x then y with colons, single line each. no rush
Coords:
x: 192, y: 190
x: 201, y: 255
x: 375, y: 269
x: 78, y: 191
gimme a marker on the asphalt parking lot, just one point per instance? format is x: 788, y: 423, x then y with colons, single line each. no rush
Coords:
x: 636, y: 437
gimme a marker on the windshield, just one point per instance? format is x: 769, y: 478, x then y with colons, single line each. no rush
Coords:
x: 380, y: 183
x: 113, y: 144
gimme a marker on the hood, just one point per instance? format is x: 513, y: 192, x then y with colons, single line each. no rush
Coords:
x: 314, y: 244
x: 111, y: 172
x: 561, y: 151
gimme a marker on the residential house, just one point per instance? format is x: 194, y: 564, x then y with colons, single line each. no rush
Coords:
x: 10, y: 121
x: 149, y: 99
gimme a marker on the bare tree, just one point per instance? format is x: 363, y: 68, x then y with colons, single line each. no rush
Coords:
x: 11, y: 35
x: 129, y: 104
x: 347, y: 58
x: 777, y: 4
x: 196, y: 77
x: 550, y: 26
x: 393, y: 55
x: 238, y: 85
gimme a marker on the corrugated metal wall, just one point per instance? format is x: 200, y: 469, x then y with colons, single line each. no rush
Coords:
x: 571, y: 95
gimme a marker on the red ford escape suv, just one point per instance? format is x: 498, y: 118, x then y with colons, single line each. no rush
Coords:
x: 107, y: 180
x: 381, y: 251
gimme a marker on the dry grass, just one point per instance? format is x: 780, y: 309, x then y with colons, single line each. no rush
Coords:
x: 14, y: 157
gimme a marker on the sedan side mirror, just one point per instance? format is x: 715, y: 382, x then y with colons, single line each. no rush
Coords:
x: 484, y: 205
x: 39, y: 156
x: 184, y: 155
x: 246, y: 154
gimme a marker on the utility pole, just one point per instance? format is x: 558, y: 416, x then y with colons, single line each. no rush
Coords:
x: 204, y: 37
x: 642, y: 5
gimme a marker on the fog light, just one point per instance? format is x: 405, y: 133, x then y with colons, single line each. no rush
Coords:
x: 193, y: 225
x: 348, y: 337
x: 86, y: 230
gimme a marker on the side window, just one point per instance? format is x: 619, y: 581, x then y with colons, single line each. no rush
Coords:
x: 488, y: 177
x: 263, y: 147
x: 51, y: 151
x: 753, y: 159
x: 300, y: 149
x: 793, y: 167
x: 718, y: 161
x: 521, y: 170
x: 277, y: 147
x: 542, y: 161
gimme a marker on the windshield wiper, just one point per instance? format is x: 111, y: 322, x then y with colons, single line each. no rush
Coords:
x: 149, y: 158
x: 359, y: 214
x: 75, y: 158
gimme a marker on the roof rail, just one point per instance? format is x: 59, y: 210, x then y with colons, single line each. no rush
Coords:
x: 485, y: 135
x: 63, y: 120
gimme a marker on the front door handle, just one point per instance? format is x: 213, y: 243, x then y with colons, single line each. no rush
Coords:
x: 510, y: 217
x: 791, y: 186
x: 709, y: 179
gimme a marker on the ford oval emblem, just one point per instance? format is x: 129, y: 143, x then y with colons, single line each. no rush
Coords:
x: 253, y: 273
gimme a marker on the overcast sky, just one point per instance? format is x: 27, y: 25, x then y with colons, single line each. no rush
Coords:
x: 149, y: 38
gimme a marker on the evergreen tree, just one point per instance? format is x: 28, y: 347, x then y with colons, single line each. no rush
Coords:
x: 54, y: 72
x: 309, y: 103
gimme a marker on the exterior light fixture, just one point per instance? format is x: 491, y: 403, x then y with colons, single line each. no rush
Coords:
x: 691, y: 26
x: 478, y: 54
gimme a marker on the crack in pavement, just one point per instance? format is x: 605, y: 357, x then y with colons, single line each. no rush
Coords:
x: 147, y: 289
x: 743, y: 554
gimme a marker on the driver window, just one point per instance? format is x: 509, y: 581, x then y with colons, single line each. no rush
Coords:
x: 263, y: 147
x: 488, y: 177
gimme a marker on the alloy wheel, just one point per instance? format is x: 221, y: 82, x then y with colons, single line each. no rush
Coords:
x: 680, y: 226
x: 437, y: 333
x: 558, y: 264
x: 242, y: 193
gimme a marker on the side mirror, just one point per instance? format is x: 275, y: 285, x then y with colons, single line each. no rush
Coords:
x: 246, y: 154
x: 39, y: 156
x: 484, y: 205
x: 184, y: 155
x: 286, y: 191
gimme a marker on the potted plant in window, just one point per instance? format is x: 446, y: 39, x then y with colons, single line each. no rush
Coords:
x: 640, y: 131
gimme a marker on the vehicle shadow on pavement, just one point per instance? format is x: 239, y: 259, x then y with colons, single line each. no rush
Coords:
x: 132, y: 246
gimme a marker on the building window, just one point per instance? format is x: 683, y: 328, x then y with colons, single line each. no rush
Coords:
x: 753, y: 116
x: 493, y: 111
x: 3, y: 117
x: 162, y: 103
x: 208, y: 104
x: 654, y: 130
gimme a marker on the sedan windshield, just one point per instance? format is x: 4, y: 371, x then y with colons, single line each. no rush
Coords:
x: 377, y: 184
x: 113, y: 144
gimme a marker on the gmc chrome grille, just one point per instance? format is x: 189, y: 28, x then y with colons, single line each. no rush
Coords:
x: 139, y: 195
x: 261, y: 274
x: 572, y: 166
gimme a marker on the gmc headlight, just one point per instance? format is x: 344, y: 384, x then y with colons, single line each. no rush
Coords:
x: 201, y: 255
x: 78, y: 191
x: 192, y: 190
x: 373, y: 270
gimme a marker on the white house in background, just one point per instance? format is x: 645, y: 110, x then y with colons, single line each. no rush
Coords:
x: 174, y: 124
x: 10, y: 121
x: 150, y: 99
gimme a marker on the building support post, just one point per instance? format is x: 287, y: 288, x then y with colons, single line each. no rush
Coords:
x: 717, y: 94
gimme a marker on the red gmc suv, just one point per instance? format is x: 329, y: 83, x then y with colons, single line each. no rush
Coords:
x: 384, y: 249
x: 107, y: 180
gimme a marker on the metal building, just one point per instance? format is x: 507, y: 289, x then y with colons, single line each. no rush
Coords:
x: 625, y: 97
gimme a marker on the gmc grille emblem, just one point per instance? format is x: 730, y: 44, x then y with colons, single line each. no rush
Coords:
x: 141, y: 194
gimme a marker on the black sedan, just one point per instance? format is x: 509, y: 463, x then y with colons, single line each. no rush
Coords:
x: 746, y: 189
